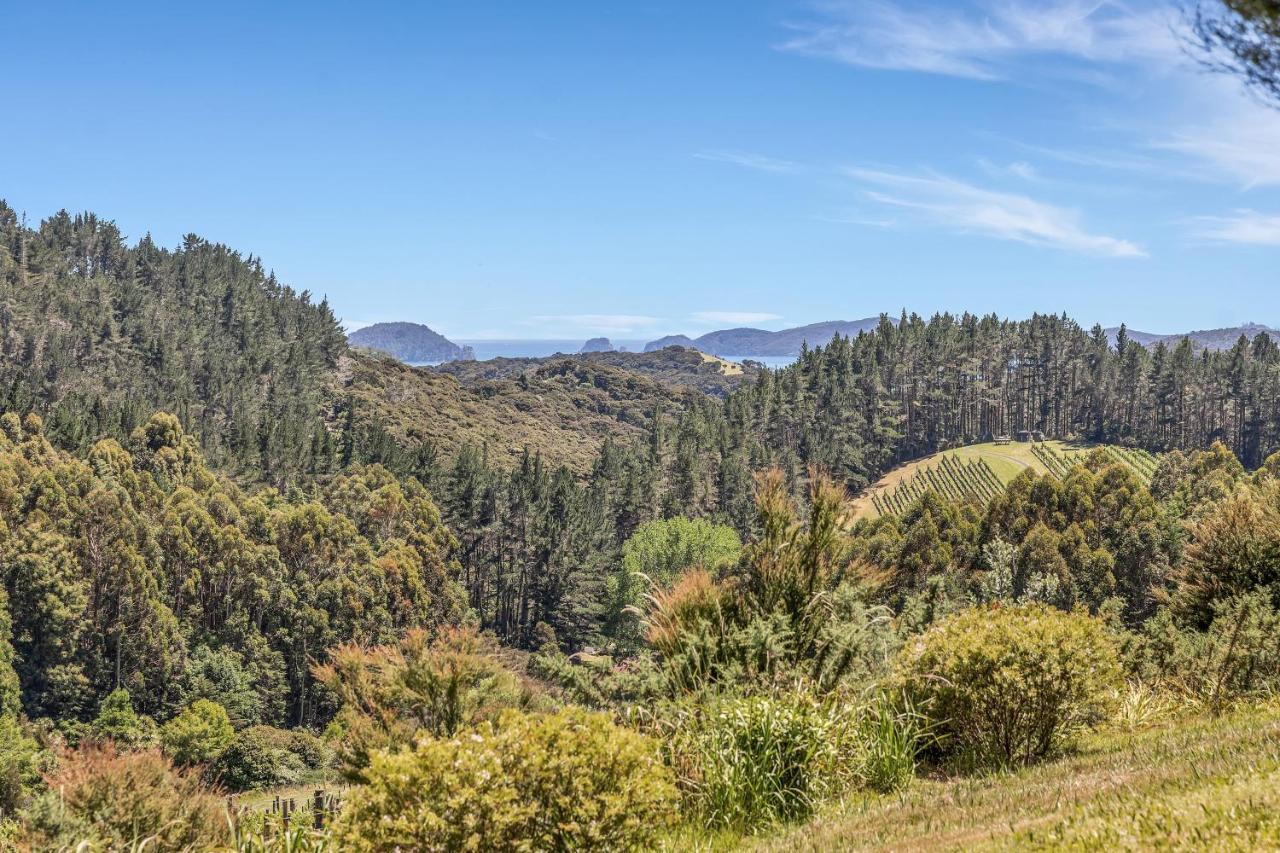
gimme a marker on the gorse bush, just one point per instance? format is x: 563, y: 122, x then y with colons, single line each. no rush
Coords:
x: 1009, y: 685
x: 747, y: 762
x: 566, y: 781
x: 19, y: 765
x: 1238, y: 657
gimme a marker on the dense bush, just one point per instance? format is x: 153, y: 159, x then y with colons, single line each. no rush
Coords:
x: 1234, y: 549
x: 265, y: 757
x: 1237, y: 657
x: 745, y: 762
x: 119, y: 723
x: 19, y: 765
x: 1009, y: 685
x: 116, y: 801
x: 566, y: 781
x: 654, y: 557
x: 198, y: 734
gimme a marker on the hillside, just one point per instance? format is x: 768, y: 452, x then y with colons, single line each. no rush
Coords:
x: 746, y: 342
x: 410, y: 342
x: 96, y: 334
x: 980, y: 471
x: 1190, y: 782
x: 1210, y: 339
x: 562, y: 408
x: 674, y: 367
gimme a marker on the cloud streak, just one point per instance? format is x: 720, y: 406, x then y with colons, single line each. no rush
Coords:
x: 1241, y: 144
x: 981, y: 42
x: 1245, y: 226
x: 733, y: 317
x: 748, y: 160
x: 964, y: 208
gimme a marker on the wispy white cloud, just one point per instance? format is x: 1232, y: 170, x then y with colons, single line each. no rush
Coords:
x: 1238, y: 141
x: 748, y: 160
x: 1244, y: 226
x: 733, y: 317
x: 963, y: 207
x: 615, y: 324
x: 982, y: 41
x: 1019, y: 169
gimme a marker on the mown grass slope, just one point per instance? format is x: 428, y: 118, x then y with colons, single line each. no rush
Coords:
x: 1191, y: 783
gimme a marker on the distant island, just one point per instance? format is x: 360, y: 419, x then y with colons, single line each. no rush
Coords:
x: 413, y: 343
x: 786, y: 342
x: 597, y: 345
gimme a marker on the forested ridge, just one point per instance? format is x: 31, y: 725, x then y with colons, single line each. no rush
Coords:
x: 98, y: 334
x: 859, y: 406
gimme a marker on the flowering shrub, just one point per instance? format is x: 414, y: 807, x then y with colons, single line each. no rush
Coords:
x: 566, y: 781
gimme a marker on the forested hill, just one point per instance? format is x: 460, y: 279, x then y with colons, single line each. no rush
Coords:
x: 861, y: 405
x: 746, y: 342
x: 98, y: 334
x: 673, y: 366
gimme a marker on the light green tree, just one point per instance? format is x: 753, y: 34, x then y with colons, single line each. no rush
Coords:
x: 197, y: 735
x: 655, y: 556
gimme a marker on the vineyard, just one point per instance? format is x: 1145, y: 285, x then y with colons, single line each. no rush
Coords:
x: 979, y: 472
x: 950, y: 478
x: 1058, y: 464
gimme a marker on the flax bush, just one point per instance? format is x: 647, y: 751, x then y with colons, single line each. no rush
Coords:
x: 747, y: 762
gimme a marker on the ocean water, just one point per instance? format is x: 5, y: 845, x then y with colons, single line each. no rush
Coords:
x: 539, y: 348
x: 771, y: 361
x: 535, y: 348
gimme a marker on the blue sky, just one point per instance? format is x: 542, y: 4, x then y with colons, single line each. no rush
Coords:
x: 571, y: 169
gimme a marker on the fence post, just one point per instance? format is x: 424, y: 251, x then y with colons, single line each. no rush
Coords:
x: 317, y: 808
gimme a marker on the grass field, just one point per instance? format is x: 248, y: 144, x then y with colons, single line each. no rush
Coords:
x: 980, y: 470
x: 1191, y: 783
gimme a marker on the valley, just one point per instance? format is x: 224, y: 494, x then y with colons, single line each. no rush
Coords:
x: 789, y: 425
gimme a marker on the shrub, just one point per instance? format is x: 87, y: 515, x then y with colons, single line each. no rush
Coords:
x: 746, y: 762
x: 1009, y: 685
x: 119, y: 723
x: 265, y: 757
x: 655, y: 556
x: 1234, y: 549
x: 425, y: 684
x: 198, y: 734
x: 19, y: 765
x: 570, y: 780
x: 1237, y: 657
x: 893, y: 736
x: 117, y: 800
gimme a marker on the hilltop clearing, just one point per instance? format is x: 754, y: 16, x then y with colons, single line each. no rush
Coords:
x: 980, y: 471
